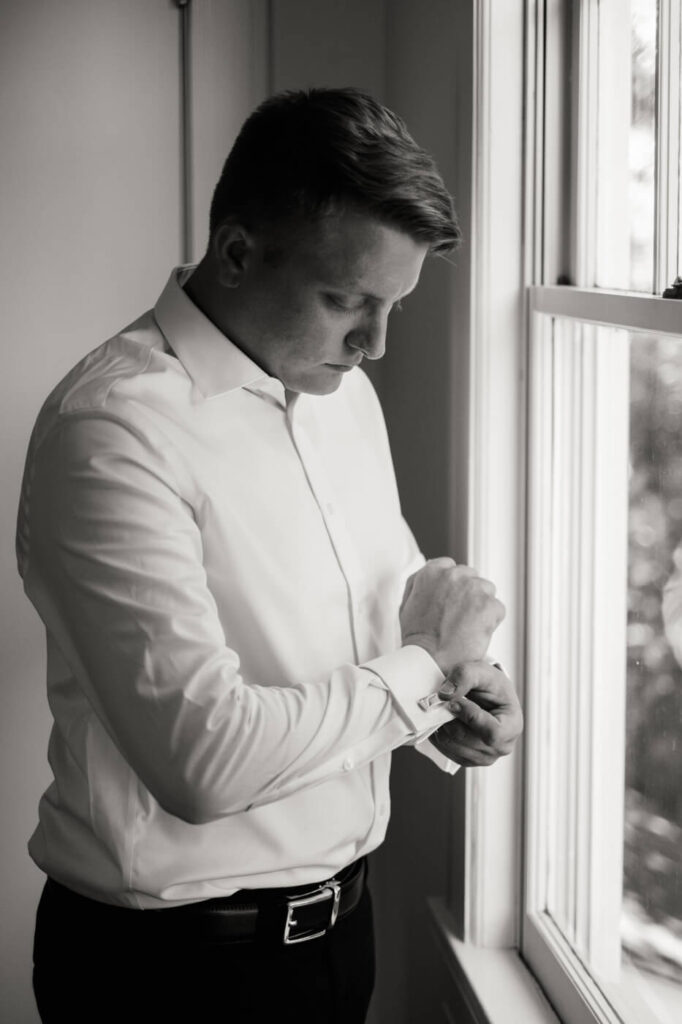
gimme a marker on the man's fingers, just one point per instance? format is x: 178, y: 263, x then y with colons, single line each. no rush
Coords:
x: 488, y: 682
x: 475, y: 736
x: 461, y: 744
x: 475, y: 725
x: 473, y: 758
x: 477, y: 720
x: 487, y: 717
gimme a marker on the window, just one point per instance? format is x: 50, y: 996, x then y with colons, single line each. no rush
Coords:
x: 602, y: 910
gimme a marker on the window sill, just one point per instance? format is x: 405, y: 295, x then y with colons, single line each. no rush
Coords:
x: 495, y: 984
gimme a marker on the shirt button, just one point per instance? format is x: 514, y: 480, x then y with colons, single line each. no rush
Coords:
x: 330, y: 508
x: 382, y: 810
x: 348, y: 764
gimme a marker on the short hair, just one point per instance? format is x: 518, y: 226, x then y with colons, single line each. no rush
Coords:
x: 314, y: 152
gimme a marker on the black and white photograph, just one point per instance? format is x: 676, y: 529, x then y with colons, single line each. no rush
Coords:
x: 341, y: 518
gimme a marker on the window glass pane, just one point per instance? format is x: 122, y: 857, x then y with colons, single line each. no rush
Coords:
x: 606, y: 640
x: 626, y: 142
x: 652, y: 906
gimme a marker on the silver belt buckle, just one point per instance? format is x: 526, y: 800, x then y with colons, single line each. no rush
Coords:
x: 330, y: 890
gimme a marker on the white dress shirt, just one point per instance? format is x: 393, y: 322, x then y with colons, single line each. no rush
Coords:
x: 219, y: 568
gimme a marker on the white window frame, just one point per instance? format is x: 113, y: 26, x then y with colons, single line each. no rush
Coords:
x: 487, y: 945
x: 601, y: 514
x: 589, y: 603
x: 496, y: 445
x: 517, y: 209
x: 668, y: 99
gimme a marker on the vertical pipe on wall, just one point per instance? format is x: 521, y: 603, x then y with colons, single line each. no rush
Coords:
x: 184, y: 8
x: 270, y: 44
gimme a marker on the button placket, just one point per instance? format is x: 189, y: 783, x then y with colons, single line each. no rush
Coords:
x: 336, y: 529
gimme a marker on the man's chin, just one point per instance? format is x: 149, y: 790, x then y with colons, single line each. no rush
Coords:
x: 322, y: 382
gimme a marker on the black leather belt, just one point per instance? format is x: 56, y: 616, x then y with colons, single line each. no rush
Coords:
x: 284, y: 916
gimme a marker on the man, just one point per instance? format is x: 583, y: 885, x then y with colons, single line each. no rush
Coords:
x: 211, y: 532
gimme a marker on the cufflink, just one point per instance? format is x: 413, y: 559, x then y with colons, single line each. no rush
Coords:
x: 432, y: 701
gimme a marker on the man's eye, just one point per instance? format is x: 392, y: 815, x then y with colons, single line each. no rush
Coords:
x: 352, y: 305
x: 346, y: 305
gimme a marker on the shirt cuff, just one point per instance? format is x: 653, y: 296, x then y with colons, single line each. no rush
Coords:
x: 427, y: 748
x: 412, y: 675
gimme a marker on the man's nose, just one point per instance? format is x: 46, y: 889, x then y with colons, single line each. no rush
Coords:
x: 370, y: 337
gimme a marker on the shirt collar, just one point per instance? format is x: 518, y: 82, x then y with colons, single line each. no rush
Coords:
x: 214, y: 363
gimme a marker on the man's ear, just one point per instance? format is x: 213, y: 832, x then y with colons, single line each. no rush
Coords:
x: 233, y: 247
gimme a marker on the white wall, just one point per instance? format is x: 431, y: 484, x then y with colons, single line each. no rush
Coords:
x: 89, y: 226
x: 230, y: 76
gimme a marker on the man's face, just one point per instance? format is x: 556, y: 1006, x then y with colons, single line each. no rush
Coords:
x: 314, y: 310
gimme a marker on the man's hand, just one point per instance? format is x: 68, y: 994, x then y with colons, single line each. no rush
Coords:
x: 451, y: 612
x: 488, y: 718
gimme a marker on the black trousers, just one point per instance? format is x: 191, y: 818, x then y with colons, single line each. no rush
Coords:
x: 97, y: 966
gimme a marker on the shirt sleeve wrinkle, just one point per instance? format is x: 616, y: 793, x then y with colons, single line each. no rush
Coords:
x: 115, y: 568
